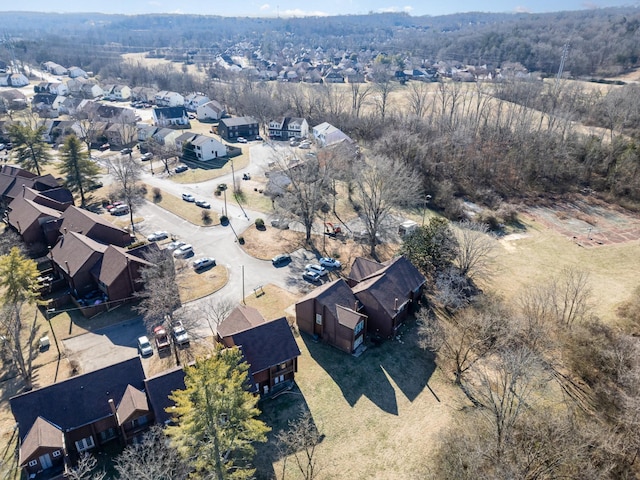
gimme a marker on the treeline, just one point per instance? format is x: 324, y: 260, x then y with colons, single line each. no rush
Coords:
x: 601, y: 41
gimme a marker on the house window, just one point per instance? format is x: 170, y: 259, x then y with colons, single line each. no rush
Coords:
x: 358, y: 328
x: 85, y: 444
x: 107, y: 434
x: 33, y: 463
x: 319, y: 318
x: 56, y: 453
x: 140, y: 421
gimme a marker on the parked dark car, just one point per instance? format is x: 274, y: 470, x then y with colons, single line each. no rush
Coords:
x: 281, y: 259
x: 181, y: 168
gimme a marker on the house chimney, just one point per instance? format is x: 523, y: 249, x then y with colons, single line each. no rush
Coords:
x: 112, y: 406
x: 395, y: 304
x: 68, y: 269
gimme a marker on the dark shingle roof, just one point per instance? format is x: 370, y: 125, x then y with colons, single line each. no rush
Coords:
x: 266, y: 345
x: 363, y: 267
x: 24, y: 213
x: 170, y: 112
x: 237, y: 121
x: 79, y: 400
x: 160, y: 387
x: 94, y: 226
x: 333, y: 294
x: 114, y: 261
x: 74, y: 250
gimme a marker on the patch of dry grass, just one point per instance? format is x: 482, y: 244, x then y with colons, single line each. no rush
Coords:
x: 542, y: 253
x: 193, y: 285
x: 195, y: 175
x: 272, y: 301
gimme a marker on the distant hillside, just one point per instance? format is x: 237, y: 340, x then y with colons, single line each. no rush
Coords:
x: 604, y: 41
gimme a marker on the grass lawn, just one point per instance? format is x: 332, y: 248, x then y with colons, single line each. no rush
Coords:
x: 271, y: 301
x: 194, y: 285
x: 372, y: 408
x: 189, y: 211
x: 540, y: 253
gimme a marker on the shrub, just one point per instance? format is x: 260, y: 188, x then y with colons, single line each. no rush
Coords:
x: 217, y: 193
x: 259, y: 224
x: 143, y: 189
x: 241, y: 240
x: 224, y: 219
x: 157, y: 194
x: 206, y: 216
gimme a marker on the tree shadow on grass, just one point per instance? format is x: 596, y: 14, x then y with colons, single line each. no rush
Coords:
x: 277, y: 413
x: 399, y: 361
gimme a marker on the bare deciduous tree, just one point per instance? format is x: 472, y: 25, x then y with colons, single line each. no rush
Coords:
x: 572, y: 295
x: 476, y: 247
x: 215, y: 311
x: 160, y: 297
x: 382, y: 185
x: 465, y: 338
x: 301, y: 441
x: 84, y: 469
x: 152, y: 459
x: 504, y: 388
x: 127, y: 173
x: 307, y: 191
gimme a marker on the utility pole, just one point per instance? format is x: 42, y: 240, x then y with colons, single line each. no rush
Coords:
x: 563, y: 59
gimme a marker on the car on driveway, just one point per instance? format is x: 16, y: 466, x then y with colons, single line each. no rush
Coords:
x: 126, y: 151
x: 311, y: 276
x: 162, y: 339
x: 329, y: 262
x: 241, y: 140
x: 104, y: 147
x: 203, y: 263
x: 203, y: 204
x: 146, y: 156
x: 2, y: 146
x: 181, y: 168
x: 281, y: 259
x: 183, y: 251
x: 113, y: 205
x: 187, y: 197
x: 175, y: 244
x: 144, y: 346
x: 180, y: 335
x: 157, y: 236
x: 315, y: 268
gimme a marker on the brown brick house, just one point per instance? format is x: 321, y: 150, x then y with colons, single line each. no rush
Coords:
x: 57, y: 422
x: 269, y: 348
x: 334, y: 314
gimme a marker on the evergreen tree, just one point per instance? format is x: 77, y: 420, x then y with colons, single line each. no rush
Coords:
x: 80, y: 171
x: 216, y: 417
x: 31, y: 149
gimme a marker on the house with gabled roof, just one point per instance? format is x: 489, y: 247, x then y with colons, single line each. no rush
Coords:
x: 171, y: 117
x: 232, y: 128
x: 27, y: 218
x: 271, y: 352
x: 205, y: 148
x: 326, y: 134
x: 288, y: 127
x: 388, y: 294
x: 242, y: 317
x: 143, y: 94
x: 73, y: 258
x: 195, y: 100
x: 94, y: 226
x: 117, y: 274
x: 58, y: 422
x: 166, y: 98
x: 333, y: 314
x: 210, y: 111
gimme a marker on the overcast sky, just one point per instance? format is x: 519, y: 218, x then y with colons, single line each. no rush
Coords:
x: 309, y: 7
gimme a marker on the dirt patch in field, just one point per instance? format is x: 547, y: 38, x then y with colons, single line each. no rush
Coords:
x: 589, y: 223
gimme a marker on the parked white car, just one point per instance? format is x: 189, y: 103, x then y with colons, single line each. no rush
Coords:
x: 144, y: 346
x: 157, y: 236
x: 183, y: 251
x: 329, y: 262
x: 314, y: 267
